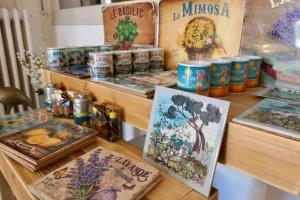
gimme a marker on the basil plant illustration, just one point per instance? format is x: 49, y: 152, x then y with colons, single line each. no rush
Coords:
x: 126, y: 32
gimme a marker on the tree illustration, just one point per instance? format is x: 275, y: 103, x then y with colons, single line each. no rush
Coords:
x: 191, y: 112
x: 126, y: 32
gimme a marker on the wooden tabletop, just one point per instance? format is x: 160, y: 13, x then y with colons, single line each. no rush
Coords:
x: 268, y: 157
x: 169, y: 188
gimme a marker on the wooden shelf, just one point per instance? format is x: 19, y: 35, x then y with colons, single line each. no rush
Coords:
x: 266, y: 156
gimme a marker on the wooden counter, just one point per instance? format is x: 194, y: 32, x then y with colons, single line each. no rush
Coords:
x: 18, y: 177
x: 268, y: 157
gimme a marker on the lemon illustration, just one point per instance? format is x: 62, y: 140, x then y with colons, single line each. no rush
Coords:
x: 252, y: 64
x: 38, y: 139
x: 37, y: 132
x: 51, y: 142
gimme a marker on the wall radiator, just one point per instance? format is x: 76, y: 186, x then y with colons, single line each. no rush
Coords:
x: 15, y: 36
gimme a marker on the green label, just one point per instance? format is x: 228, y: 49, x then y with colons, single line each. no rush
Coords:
x: 220, y: 75
x: 253, y: 69
x: 238, y: 72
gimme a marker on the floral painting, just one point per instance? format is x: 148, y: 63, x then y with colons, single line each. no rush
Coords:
x: 282, y: 117
x: 184, y: 136
x: 98, y: 175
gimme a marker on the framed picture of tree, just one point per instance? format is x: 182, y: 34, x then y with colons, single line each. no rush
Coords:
x: 184, y: 136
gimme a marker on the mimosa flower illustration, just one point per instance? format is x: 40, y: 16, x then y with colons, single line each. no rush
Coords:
x: 200, y: 39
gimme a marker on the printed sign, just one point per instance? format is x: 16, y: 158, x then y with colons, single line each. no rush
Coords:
x: 200, y: 29
x: 129, y: 24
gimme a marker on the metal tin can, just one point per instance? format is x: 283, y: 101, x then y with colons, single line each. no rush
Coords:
x: 75, y: 56
x: 56, y: 57
x: 140, y: 60
x: 238, y: 74
x: 81, y: 110
x: 194, y: 76
x: 156, y: 59
x: 122, y: 63
x: 105, y: 48
x: 220, y: 77
x: 49, y: 91
x: 87, y: 50
x: 253, y: 71
x: 101, y: 66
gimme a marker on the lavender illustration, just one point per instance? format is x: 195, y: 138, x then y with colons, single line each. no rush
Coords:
x: 284, y: 30
x: 86, y: 177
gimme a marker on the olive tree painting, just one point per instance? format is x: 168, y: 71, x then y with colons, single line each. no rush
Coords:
x: 184, y: 136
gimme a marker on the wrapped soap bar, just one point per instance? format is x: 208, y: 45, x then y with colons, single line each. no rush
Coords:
x: 107, y: 121
x: 62, y: 105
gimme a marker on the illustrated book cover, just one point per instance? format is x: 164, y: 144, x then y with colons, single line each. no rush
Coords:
x: 144, y: 84
x: 16, y: 122
x: 129, y: 24
x: 277, y: 116
x: 46, y: 141
x: 184, y: 136
x: 280, y: 94
x: 99, y: 174
x: 199, y: 29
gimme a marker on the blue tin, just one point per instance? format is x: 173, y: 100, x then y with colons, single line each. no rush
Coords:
x: 56, y: 58
x: 105, y: 48
x: 194, y: 76
x: 75, y: 56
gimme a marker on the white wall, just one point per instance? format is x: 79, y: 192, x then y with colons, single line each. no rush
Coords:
x: 76, y: 35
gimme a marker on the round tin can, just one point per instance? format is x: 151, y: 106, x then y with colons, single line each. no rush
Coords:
x: 220, y: 77
x: 56, y: 57
x: 49, y: 91
x: 238, y: 74
x: 75, y: 56
x: 87, y: 50
x: 101, y: 66
x: 156, y: 59
x: 122, y: 63
x: 81, y: 110
x: 105, y: 48
x: 140, y: 61
x: 253, y: 71
x: 194, y: 76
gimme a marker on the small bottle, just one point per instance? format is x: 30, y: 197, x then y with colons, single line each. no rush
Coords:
x: 49, y: 91
x: 81, y: 107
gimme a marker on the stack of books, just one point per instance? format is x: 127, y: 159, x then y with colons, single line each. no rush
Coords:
x: 39, y: 141
x: 99, y: 174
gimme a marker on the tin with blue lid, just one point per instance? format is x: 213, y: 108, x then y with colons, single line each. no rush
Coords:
x: 194, y: 76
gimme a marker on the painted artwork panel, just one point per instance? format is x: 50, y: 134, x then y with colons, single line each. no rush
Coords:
x: 40, y: 141
x: 276, y: 93
x: 129, y: 24
x: 200, y: 29
x: 184, y: 136
x: 10, y: 124
x: 99, y: 174
x: 281, y: 117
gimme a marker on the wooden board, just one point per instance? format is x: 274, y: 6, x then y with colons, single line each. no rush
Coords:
x: 142, y: 14
x: 253, y: 151
x: 19, y: 177
x: 200, y: 29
